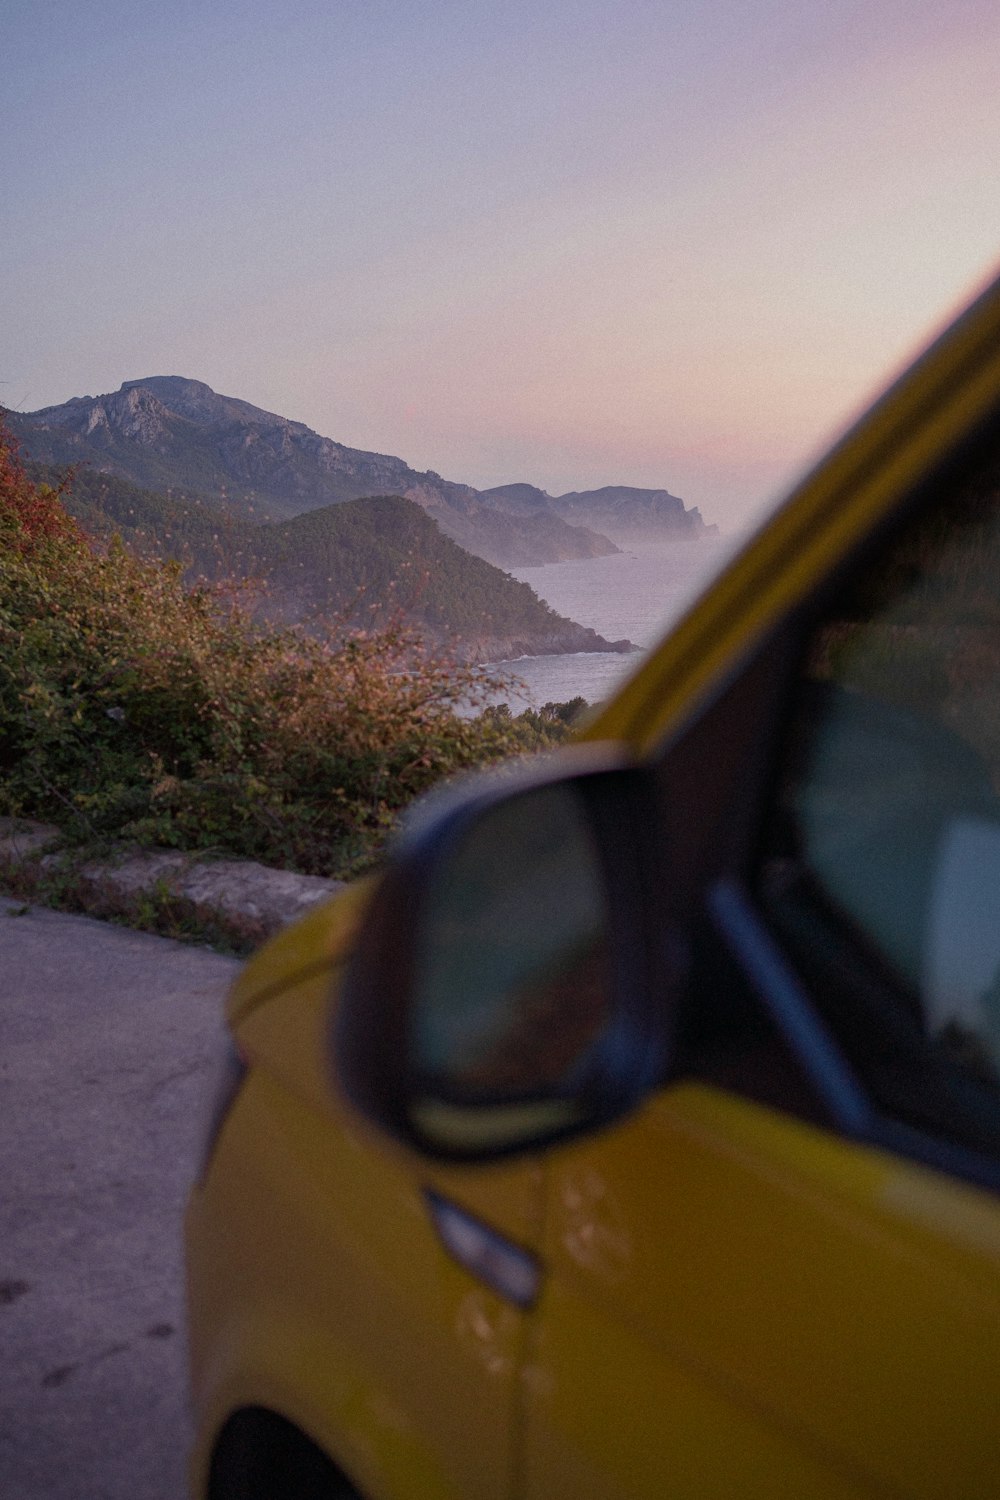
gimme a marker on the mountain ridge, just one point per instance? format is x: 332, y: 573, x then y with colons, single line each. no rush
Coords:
x: 167, y: 432
x: 171, y: 431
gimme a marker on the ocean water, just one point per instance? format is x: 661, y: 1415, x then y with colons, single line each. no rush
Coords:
x: 634, y: 594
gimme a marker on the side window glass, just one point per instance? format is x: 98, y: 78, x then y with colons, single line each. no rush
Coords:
x: 881, y: 865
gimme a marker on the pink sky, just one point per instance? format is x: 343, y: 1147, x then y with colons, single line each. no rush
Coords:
x: 575, y: 243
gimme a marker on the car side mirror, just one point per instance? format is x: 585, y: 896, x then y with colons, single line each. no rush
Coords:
x: 501, y: 991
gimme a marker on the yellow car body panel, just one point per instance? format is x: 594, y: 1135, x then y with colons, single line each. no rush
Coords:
x: 315, y: 942
x: 356, y: 1325
x: 317, y: 1285
x: 815, y: 1318
x: 733, y: 1302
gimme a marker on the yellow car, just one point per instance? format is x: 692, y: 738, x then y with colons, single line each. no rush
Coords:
x: 636, y: 1133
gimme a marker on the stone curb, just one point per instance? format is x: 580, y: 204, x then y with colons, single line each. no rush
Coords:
x: 234, y: 902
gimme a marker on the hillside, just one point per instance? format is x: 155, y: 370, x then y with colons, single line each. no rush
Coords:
x: 173, y: 525
x: 170, y: 433
x: 385, y: 548
x: 369, y: 557
x: 132, y: 710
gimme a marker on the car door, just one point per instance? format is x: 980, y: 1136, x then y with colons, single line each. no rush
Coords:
x: 378, y: 1304
x: 782, y: 1276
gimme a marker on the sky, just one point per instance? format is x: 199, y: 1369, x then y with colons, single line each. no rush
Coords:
x: 668, y: 243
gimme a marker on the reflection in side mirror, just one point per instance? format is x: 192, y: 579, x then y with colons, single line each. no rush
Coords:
x: 514, y: 936
x: 511, y: 987
x: 499, y: 993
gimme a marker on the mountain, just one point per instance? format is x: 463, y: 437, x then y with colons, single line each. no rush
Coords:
x: 385, y: 547
x: 368, y: 558
x: 167, y: 433
x: 519, y: 499
x: 620, y: 512
x: 634, y: 514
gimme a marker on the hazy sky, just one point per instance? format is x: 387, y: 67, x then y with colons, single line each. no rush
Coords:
x: 564, y: 241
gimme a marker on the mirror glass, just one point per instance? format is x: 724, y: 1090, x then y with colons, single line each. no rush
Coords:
x: 511, y: 987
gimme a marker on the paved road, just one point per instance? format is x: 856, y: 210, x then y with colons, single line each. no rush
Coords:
x: 106, y: 1045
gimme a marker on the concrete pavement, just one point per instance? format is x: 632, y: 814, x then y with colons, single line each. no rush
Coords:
x: 106, y: 1045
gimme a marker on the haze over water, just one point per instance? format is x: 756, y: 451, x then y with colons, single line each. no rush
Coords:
x: 635, y: 593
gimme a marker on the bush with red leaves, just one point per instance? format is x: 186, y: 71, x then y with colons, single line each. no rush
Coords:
x: 30, y: 515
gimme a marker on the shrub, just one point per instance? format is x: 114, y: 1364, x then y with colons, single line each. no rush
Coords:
x: 134, y: 706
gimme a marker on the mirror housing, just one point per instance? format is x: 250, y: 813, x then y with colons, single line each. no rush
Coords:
x: 507, y: 987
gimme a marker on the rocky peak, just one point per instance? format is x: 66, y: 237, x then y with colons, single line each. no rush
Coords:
x: 133, y: 414
x: 137, y: 415
x: 174, y: 391
x: 624, y: 512
x: 197, y: 402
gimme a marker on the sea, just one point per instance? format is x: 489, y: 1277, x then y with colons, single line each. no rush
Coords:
x: 636, y: 593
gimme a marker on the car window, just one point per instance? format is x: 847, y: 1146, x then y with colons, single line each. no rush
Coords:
x: 881, y: 858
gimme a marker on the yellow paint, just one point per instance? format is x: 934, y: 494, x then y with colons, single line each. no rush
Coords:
x: 321, y: 938
x: 318, y: 1287
x: 750, y: 1274
x: 734, y: 1304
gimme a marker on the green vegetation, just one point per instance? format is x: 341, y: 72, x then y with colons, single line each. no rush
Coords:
x: 171, y: 525
x: 387, y: 548
x: 134, y: 706
x: 370, y: 560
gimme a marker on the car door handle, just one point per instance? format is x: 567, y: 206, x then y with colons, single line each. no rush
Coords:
x: 510, y: 1270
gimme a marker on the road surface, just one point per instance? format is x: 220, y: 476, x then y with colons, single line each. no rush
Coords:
x: 107, y: 1040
